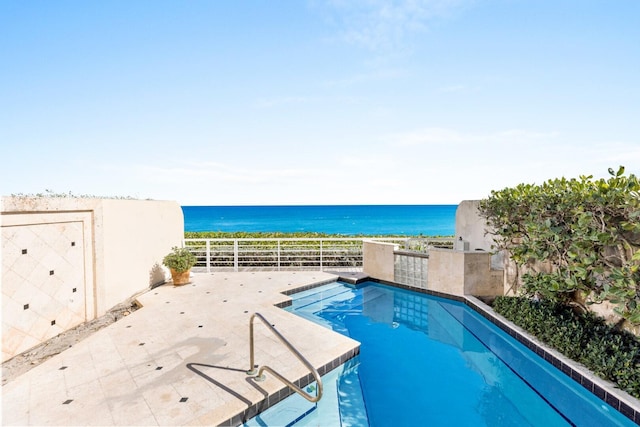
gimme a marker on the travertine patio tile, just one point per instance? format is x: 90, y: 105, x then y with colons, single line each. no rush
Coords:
x: 132, y: 412
x: 56, y: 413
x: 117, y: 384
x: 195, y: 347
x: 16, y: 412
x: 88, y: 406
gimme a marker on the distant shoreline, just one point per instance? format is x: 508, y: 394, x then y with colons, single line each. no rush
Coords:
x: 295, y: 235
x: 331, y: 220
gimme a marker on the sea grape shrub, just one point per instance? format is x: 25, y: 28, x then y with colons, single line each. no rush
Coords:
x: 610, y: 353
x: 295, y: 235
x: 253, y: 234
x: 573, y: 236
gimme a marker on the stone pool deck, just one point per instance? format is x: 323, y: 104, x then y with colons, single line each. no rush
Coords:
x: 180, y: 359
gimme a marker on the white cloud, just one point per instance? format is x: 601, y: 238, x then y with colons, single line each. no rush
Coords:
x: 440, y: 136
x: 385, y: 24
x: 450, y: 164
x: 283, y: 101
x: 222, y: 174
x: 426, y: 137
x: 616, y: 153
x: 369, y: 77
x: 452, y: 88
x: 431, y: 165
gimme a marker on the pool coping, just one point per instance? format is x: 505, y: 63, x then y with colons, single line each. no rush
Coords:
x: 605, y: 390
x: 284, y: 392
x: 602, y: 389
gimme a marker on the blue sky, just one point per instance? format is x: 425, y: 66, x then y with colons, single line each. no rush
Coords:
x: 315, y: 102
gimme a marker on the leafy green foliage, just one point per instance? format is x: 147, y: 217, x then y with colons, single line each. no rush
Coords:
x: 250, y: 235
x: 608, y: 352
x: 578, y: 235
x: 291, y: 250
x: 179, y: 259
x: 282, y: 235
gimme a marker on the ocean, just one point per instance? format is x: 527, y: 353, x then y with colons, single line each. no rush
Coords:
x: 348, y: 220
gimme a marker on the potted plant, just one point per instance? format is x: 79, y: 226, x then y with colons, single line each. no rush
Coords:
x: 179, y: 261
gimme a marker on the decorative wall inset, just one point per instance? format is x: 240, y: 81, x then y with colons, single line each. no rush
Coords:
x: 69, y: 260
x: 43, y: 283
x: 411, y: 269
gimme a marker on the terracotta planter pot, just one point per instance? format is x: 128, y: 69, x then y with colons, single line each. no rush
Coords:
x: 180, y: 278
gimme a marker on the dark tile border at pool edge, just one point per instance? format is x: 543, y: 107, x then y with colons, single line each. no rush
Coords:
x: 302, y: 288
x: 618, y: 399
x: 419, y: 290
x: 606, y: 391
x: 285, y: 391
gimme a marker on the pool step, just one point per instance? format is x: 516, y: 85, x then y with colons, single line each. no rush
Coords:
x: 287, y: 414
x: 352, y: 408
x: 315, y: 299
x: 333, y: 304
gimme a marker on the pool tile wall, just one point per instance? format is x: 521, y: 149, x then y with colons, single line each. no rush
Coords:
x: 285, y: 391
x: 618, y: 399
x: 621, y: 401
x: 304, y: 288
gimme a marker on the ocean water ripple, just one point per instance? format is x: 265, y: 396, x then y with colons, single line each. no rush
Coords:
x: 348, y: 220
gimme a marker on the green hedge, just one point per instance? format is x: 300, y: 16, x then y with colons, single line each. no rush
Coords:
x: 252, y: 235
x: 285, y: 235
x: 573, y: 237
x: 608, y: 352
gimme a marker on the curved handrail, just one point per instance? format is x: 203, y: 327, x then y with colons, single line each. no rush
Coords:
x: 292, y: 349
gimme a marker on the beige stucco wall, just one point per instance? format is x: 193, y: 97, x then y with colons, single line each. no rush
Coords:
x: 66, y: 260
x: 475, y: 271
x: 446, y: 271
x: 480, y: 279
x: 46, y: 266
x: 463, y: 273
x: 378, y: 259
x: 471, y: 226
x: 136, y: 236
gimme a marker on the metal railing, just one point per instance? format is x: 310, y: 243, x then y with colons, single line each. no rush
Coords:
x: 248, y: 254
x: 258, y: 374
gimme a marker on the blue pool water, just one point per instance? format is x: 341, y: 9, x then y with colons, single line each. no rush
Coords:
x: 430, y: 361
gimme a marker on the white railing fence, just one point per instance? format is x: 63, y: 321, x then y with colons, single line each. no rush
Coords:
x: 336, y: 254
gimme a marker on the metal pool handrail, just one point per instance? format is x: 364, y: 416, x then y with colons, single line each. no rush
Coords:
x: 292, y: 349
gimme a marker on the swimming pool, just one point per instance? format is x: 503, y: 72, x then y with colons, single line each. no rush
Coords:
x: 426, y: 360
